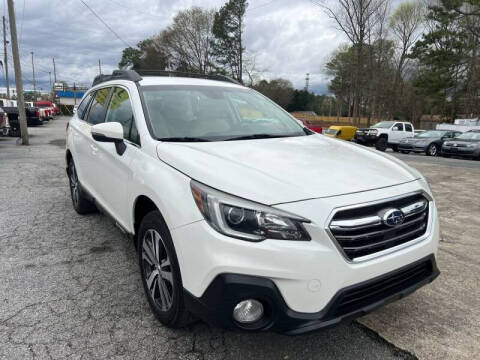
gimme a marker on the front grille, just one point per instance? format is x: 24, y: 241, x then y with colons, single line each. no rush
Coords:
x: 361, y: 231
x: 370, y: 292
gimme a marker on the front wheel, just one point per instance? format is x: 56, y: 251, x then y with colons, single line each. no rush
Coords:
x: 160, y: 272
x: 432, y: 150
x: 80, y: 202
x: 381, y: 144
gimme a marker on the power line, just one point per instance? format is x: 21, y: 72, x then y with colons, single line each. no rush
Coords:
x: 135, y: 9
x: 260, y: 6
x: 104, y: 23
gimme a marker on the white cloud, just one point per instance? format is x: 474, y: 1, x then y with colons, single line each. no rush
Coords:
x: 289, y: 38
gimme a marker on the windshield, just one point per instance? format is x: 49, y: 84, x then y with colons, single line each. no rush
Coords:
x: 431, y: 134
x: 331, y: 132
x: 383, y: 125
x: 469, y: 136
x: 213, y: 113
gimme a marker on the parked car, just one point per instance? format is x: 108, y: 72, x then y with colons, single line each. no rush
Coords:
x: 309, y: 125
x: 47, y: 108
x: 464, y: 145
x: 428, y: 142
x: 11, y: 124
x: 246, y: 223
x: 4, y: 123
x: 341, y: 132
x: 385, y: 134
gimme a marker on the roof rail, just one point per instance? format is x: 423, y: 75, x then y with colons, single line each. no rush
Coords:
x: 169, y: 73
x: 131, y: 75
x: 136, y: 75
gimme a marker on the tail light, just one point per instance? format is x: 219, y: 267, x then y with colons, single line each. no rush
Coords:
x: 38, y: 113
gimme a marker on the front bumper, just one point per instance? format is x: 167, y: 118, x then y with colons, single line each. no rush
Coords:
x: 217, y: 303
x: 366, y: 139
x: 300, y: 271
x: 460, y: 151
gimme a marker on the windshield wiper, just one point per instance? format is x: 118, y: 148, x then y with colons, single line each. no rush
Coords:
x: 184, y: 139
x: 257, y: 136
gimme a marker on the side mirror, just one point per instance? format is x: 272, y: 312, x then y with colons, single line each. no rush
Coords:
x: 110, y: 132
x: 395, y: 128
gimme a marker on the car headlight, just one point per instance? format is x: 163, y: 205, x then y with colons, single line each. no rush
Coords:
x: 246, y: 220
x: 373, y: 132
x: 472, y: 145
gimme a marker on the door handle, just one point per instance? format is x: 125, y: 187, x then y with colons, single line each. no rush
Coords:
x: 94, y: 148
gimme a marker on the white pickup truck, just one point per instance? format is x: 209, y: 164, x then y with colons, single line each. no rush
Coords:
x: 385, y: 134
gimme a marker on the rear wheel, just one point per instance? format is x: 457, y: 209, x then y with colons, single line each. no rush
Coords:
x: 160, y: 272
x: 432, y: 150
x: 381, y: 144
x: 81, y: 203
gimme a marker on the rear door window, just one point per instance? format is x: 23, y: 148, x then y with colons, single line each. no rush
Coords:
x: 408, y: 128
x: 96, y: 114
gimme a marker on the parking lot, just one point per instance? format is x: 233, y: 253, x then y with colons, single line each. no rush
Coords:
x: 70, y: 285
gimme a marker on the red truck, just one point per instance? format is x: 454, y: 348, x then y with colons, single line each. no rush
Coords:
x: 313, y: 127
x: 50, y: 108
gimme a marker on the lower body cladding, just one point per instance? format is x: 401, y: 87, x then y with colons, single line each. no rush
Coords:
x: 299, y: 286
x: 415, y: 149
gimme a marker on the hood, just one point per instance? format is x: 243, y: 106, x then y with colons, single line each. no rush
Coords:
x: 274, y: 171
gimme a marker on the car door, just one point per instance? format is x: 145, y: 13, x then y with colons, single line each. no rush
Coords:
x: 86, y: 148
x: 78, y: 144
x: 114, y: 171
x: 409, y: 133
x: 396, y: 135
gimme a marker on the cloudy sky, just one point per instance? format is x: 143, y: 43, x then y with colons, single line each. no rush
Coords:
x: 288, y: 37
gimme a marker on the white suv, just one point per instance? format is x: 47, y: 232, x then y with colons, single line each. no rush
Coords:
x: 241, y: 216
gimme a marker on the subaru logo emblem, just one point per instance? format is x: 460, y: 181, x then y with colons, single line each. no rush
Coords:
x: 393, y: 217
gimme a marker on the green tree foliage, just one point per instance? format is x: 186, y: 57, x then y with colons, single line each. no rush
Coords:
x: 148, y: 55
x: 448, y: 55
x: 279, y: 90
x: 227, y: 44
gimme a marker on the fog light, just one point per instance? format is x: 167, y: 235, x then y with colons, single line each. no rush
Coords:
x: 248, y: 311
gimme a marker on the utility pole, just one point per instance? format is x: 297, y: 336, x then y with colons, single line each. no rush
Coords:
x: 18, y: 73
x: 33, y: 72
x: 5, y: 58
x: 54, y: 72
x: 74, y: 94
x: 99, y: 67
x: 50, y: 76
x: 307, y: 82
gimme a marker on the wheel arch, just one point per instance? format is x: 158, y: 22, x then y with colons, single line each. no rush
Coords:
x: 142, y: 205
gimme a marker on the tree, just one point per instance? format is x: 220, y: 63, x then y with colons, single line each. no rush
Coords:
x: 188, y: 40
x: 227, y: 43
x: 354, y: 18
x: 279, y: 90
x: 448, y: 58
x: 405, y: 25
x: 149, y: 54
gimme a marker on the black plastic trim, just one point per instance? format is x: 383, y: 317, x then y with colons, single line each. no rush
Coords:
x: 226, y: 290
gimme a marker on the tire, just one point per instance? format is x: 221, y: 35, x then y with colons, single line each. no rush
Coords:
x: 405, y: 152
x: 395, y: 148
x: 432, y: 150
x: 81, y: 203
x: 161, y: 277
x: 381, y: 144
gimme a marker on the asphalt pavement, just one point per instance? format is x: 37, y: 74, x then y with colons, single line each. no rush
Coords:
x: 70, y: 285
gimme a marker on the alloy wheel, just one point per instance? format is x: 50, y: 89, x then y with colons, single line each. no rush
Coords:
x: 74, y: 183
x: 157, y: 269
x: 432, y: 150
